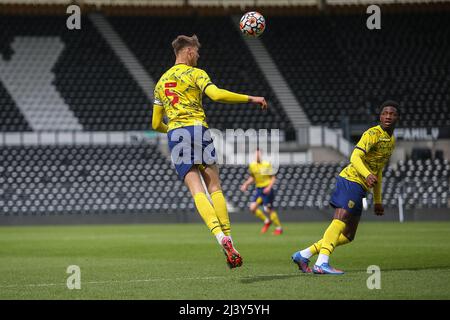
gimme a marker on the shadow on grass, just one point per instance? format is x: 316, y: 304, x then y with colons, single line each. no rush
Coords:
x: 262, y: 278
x: 430, y: 268
x: 253, y: 279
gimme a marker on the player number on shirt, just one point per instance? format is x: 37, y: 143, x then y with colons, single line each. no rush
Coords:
x: 169, y: 93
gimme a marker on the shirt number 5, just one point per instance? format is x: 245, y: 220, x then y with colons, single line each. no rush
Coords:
x: 169, y: 93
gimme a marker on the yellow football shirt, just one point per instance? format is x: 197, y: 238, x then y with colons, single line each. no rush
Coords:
x: 262, y: 173
x: 179, y: 91
x: 378, y: 147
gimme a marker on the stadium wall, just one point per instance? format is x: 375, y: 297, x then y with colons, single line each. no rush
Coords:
x: 405, y: 148
x: 391, y: 215
x: 12, y: 8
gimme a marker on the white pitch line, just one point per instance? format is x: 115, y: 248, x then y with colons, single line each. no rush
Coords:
x: 141, y: 280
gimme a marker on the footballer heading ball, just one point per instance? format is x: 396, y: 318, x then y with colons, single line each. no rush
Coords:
x: 252, y: 24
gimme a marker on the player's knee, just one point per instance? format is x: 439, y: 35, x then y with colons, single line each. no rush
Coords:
x: 214, y: 188
x: 343, y: 215
x: 350, y: 236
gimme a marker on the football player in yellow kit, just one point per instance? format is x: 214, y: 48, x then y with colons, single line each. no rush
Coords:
x: 364, y: 172
x: 178, y: 95
x: 261, y: 173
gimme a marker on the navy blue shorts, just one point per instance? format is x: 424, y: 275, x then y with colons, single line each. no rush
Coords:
x: 190, y: 146
x: 267, y: 199
x: 348, y: 195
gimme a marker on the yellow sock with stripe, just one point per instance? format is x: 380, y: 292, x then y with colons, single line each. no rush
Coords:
x: 315, y: 248
x: 220, y: 206
x: 342, y: 240
x: 330, y: 240
x: 260, y: 214
x: 274, y: 218
x: 207, y: 212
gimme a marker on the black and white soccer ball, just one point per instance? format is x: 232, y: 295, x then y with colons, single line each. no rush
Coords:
x: 252, y: 24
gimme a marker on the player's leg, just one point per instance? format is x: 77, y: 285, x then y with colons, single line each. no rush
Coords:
x: 302, y: 257
x: 193, y: 182
x: 205, y: 157
x: 256, y: 210
x: 210, y: 174
x: 346, y: 237
x: 268, y: 207
x: 347, y: 199
x: 333, y: 237
x: 276, y: 221
x: 211, y: 177
x: 256, y: 202
x: 349, y: 233
x: 262, y: 215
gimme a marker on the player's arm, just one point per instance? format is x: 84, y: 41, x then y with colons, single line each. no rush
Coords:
x: 364, y: 145
x: 247, y: 183
x: 357, y: 161
x: 205, y: 84
x: 158, y: 112
x: 377, y: 189
x: 225, y: 96
x: 377, y: 198
x: 157, y: 119
x: 270, y: 185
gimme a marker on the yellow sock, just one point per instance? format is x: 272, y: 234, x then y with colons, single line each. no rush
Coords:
x: 342, y: 240
x: 260, y: 214
x: 315, y: 248
x: 207, y: 212
x: 274, y: 218
x: 331, y: 236
x: 220, y: 206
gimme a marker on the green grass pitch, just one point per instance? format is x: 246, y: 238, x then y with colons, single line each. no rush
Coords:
x: 183, y: 261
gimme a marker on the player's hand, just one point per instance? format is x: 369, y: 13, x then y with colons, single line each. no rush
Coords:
x: 267, y: 190
x: 244, y: 188
x: 259, y: 100
x: 378, y: 209
x: 371, y: 180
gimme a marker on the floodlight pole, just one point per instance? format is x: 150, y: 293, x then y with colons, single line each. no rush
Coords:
x: 401, y: 216
x: 400, y: 208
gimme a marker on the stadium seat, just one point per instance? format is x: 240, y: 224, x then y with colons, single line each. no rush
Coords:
x: 223, y: 55
x: 333, y: 71
x: 117, y: 179
x: 88, y: 75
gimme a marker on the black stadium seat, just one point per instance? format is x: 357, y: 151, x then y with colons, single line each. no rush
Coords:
x: 342, y: 69
x: 333, y: 75
x: 223, y: 55
x: 339, y: 70
x: 88, y: 75
x: 49, y: 180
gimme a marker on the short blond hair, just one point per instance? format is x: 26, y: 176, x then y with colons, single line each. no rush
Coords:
x: 185, y: 41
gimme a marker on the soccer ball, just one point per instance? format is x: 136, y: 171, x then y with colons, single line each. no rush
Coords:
x: 252, y: 24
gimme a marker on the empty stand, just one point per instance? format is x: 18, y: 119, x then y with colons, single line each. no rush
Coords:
x: 87, y: 179
x: 88, y: 76
x: 121, y: 179
x: 223, y: 55
x: 11, y: 117
x: 336, y: 67
x: 334, y: 64
x: 342, y: 69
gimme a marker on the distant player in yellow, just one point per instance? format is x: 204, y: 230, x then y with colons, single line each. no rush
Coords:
x: 364, y: 172
x: 178, y: 95
x: 261, y: 173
